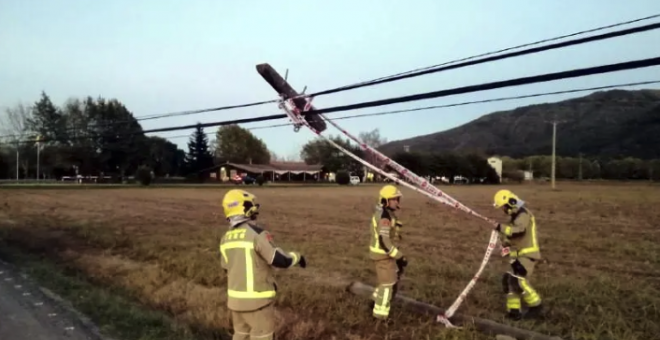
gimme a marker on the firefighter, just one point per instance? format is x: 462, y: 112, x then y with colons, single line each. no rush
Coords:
x: 248, y: 255
x: 520, y: 244
x: 388, y: 259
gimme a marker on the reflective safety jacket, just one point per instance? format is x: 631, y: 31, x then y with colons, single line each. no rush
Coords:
x: 248, y: 255
x: 383, y: 229
x: 520, y: 235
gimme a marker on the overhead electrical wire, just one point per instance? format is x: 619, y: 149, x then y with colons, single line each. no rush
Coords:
x: 497, y: 57
x: 362, y: 83
x: 425, y: 108
x: 465, y: 61
x: 439, y: 67
x: 434, y: 68
x: 452, y: 64
x: 640, y: 63
x: 628, y: 65
x: 443, y: 66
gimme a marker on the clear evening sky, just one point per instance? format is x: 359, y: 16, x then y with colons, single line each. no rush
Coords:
x: 164, y: 56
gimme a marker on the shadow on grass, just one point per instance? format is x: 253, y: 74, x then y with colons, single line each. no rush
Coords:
x: 111, y: 309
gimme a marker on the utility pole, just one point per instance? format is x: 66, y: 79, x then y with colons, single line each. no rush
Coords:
x: 17, y: 161
x: 38, y: 157
x: 554, y: 146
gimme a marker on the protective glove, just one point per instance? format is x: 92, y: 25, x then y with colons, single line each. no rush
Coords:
x: 302, y: 263
x: 402, y: 262
x: 498, y: 227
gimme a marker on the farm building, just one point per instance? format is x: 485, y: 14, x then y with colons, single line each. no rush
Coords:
x: 276, y: 171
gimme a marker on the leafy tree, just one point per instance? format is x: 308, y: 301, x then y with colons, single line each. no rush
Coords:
x: 413, y: 161
x: 143, y: 175
x: 261, y: 180
x: 118, y: 136
x: 372, y: 138
x: 320, y: 151
x: 165, y: 158
x: 14, y: 126
x: 47, y: 120
x: 238, y: 145
x: 343, y: 177
x: 80, y: 149
x: 199, y: 157
x: 4, y: 164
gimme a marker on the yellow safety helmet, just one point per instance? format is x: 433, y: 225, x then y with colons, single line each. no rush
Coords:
x: 505, y: 197
x: 239, y: 202
x: 388, y: 192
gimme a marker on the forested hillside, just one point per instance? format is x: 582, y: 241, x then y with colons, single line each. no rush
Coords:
x: 608, y: 124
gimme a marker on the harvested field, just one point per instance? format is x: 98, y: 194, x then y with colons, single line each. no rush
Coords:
x: 601, y: 242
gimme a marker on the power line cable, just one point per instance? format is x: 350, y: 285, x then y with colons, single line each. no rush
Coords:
x: 592, y: 30
x: 429, y: 95
x: 430, y: 70
x: 424, y: 108
x: 439, y: 68
x: 629, y: 65
x: 435, y: 68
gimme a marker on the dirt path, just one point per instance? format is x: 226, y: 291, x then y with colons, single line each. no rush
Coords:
x: 28, y: 312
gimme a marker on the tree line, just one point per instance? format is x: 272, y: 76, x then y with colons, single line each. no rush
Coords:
x: 451, y: 165
x: 579, y: 168
x: 101, y: 137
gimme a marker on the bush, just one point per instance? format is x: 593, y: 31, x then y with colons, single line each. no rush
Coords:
x: 514, y: 175
x: 143, y: 175
x: 261, y: 180
x: 343, y: 177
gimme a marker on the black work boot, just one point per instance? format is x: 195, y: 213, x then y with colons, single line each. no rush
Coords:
x: 534, y: 312
x: 514, y: 314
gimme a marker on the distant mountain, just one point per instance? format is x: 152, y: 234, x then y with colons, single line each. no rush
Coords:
x: 615, y: 123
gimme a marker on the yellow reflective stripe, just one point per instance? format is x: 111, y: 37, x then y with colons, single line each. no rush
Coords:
x: 374, y: 226
x: 237, y: 244
x: 294, y: 256
x: 507, y: 231
x: 512, y: 301
x: 382, y: 307
x: 249, y: 270
x: 249, y: 293
x: 376, y: 247
x: 224, y: 254
x: 233, y: 245
x: 535, y: 246
x: 531, y: 297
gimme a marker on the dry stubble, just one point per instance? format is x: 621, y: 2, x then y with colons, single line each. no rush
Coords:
x: 602, y: 278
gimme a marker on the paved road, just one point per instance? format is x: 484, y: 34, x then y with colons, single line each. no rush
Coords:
x: 26, y: 313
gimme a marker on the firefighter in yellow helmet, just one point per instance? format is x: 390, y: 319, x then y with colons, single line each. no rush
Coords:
x: 519, y: 240
x: 388, y: 259
x: 248, y: 255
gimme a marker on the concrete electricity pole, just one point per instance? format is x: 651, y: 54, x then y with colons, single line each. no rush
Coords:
x: 38, y: 157
x: 554, y: 147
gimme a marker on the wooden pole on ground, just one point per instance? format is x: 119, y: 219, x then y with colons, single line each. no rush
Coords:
x: 483, y: 325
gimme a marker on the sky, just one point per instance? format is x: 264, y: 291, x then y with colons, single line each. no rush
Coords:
x: 174, y: 55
